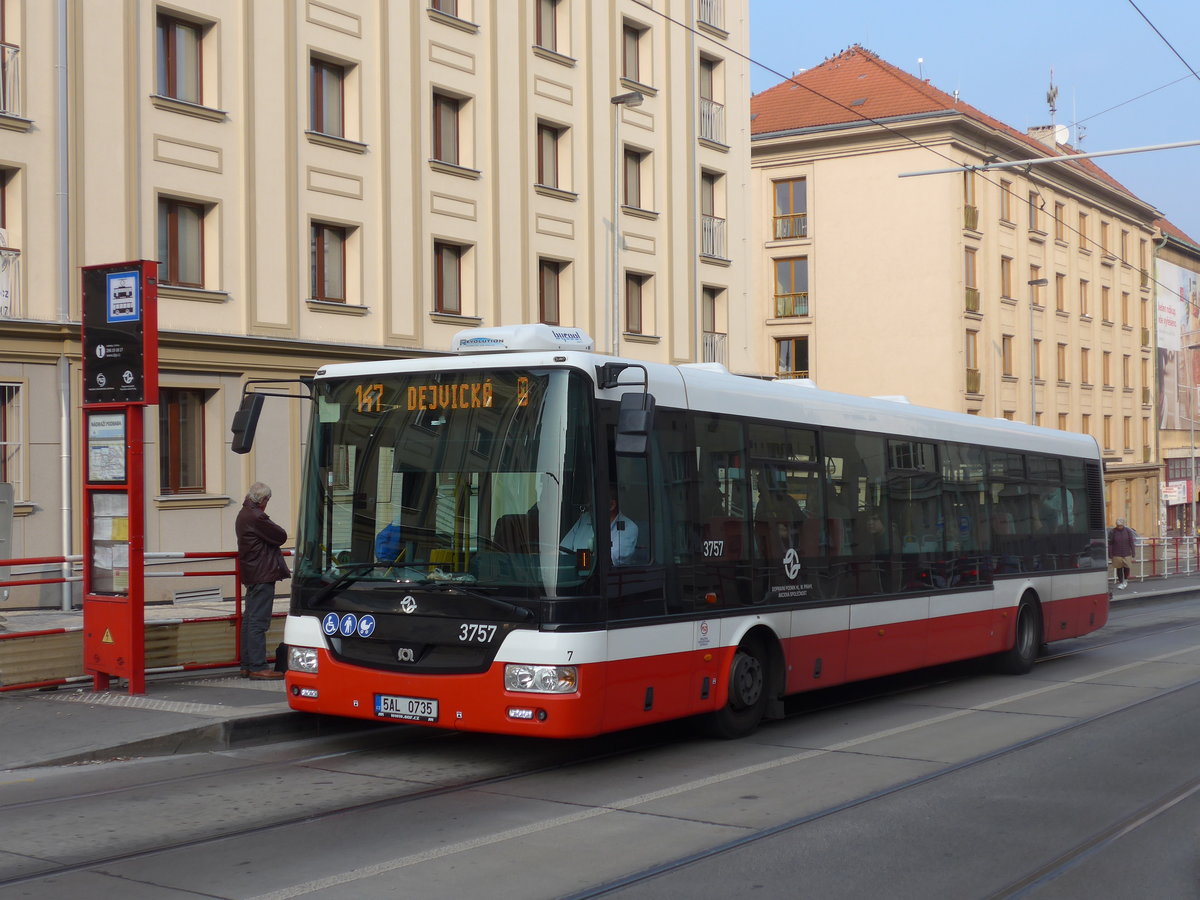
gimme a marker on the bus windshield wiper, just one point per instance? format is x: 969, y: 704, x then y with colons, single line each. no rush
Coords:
x: 350, y: 573
x: 439, y: 585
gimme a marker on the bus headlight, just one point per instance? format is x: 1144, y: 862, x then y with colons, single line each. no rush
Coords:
x: 302, y: 659
x: 541, y: 679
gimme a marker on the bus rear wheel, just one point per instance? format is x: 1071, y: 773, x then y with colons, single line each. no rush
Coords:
x: 747, y: 701
x: 1027, y: 641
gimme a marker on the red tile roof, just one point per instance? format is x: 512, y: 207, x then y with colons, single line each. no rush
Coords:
x: 1167, y: 227
x: 857, y: 86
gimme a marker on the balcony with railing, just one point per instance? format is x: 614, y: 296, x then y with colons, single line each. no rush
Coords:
x: 712, y: 12
x: 972, y: 300
x: 10, y: 282
x: 794, y: 304
x: 789, y: 227
x: 971, y: 217
x: 712, y: 237
x: 713, y: 348
x: 712, y: 120
x: 974, y: 380
x: 802, y: 373
x: 10, y: 80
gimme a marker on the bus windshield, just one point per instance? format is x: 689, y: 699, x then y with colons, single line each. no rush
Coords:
x: 462, y: 477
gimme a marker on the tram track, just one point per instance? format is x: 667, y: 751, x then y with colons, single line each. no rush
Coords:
x: 636, y: 742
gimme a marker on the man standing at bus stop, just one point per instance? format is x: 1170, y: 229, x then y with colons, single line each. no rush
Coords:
x: 261, y: 565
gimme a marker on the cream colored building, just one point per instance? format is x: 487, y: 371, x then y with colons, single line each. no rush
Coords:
x: 324, y: 180
x: 877, y: 284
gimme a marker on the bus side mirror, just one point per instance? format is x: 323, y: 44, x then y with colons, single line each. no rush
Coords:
x: 635, y: 421
x: 245, y: 421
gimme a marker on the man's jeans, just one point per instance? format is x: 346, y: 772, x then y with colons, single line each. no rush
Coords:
x: 256, y: 619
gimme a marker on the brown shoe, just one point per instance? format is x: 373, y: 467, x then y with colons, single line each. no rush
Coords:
x: 265, y: 675
x: 245, y: 673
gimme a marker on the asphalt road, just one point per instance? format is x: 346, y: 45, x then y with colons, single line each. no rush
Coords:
x: 1078, y: 780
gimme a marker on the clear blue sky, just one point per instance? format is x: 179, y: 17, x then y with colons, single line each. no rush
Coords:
x: 999, y: 56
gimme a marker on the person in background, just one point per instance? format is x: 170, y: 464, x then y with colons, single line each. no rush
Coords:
x: 261, y: 565
x: 1121, y: 552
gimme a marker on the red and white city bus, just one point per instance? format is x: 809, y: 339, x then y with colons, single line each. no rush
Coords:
x: 531, y: 538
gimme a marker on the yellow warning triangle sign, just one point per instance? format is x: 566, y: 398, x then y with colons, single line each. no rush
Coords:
x: 108, y: 638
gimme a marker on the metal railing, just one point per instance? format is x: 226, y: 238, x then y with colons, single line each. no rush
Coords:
x: 1160, y: 557
x: 712, y: 120
x: 713, y: 348
x: 10, y: 79
x: 973, y: 381
x: 972, y: 299
x: 10, y: 282
x: 803, y: 373
x: 712, y: 237
x: 971, y: 217
x: 794, y: 304
x: 712, y: 12
x: 792, y: 225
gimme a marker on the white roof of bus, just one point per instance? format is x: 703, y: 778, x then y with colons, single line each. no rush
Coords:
x: 710, y: 389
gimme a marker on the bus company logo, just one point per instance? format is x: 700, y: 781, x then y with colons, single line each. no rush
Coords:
x: 791, y: 563
x: 408, y: 605
x: 572, y: 337
x: 481, y: 342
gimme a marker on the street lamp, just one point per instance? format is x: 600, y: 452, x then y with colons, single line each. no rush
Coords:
x: 630, y: 98
x: 1034, y: 284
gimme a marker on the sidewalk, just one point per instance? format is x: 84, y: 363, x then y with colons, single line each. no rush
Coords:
x: 217, y: 709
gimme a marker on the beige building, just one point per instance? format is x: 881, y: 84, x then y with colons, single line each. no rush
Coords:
x: 1022, y: 293
x: 1177, y: 289
x: 324, y: 180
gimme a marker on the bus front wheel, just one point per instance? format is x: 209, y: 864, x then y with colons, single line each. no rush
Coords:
x: 747, y: 701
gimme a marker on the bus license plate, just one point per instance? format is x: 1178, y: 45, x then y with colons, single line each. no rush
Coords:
x: 415, y: 709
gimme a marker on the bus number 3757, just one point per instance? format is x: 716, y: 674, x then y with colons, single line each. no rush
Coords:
x: 476, y: 634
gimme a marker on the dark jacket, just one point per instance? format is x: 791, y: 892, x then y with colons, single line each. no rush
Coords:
x: 258, y: 543
x: 1120, y: 542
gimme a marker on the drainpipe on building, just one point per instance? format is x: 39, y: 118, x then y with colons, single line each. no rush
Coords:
x: 64, y: 296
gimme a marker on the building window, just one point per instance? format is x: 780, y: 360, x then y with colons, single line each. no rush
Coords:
x: 712, y: 224
x: 1105, y: 303
x: 1035, y: 296
x: 1062, y: 421
x: 1035, y: 211
x: 1006, y: 354
x: 712, y: 107
x: 1124, y: 246
x: 328, y: 262
x: 549, y: 290
x: 1006, y: 280
x: 1006, y: 201
x: 1060, y: 292
x: 1085, y: 357
x: 1060, y: 222
x: 791, y: 208
x: 548, y: 140
x: 449, y: 7
x: 1126, y: 372
x: 1106, y: 368
x: 1083, y: 298
x: 632, y: 187
x: 635, y: 297
x: 327, y: 98
x: 710, y: 319
x: 1083, y: 230
x: 791, y: 286
x: 179, y: 59
x: 970, y: 269
x: 445, y: 128
x: 1062, y: 363
x: 1125, y: 308
x: 971, y: 350
x: 791, y: 357
x: 632, y: 37
x: 180, y: 243
x: 547, y: 24
x: 1104, y: 237
x: 1108, y: 435
x: 1128, y: 433
x: 11, y: 438
x: 1037, y: 359
x: 181, y: 441
x: 447, y: 277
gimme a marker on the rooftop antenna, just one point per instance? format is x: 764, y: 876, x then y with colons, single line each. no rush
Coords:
x: 921, y: 67
x: 1052, y: 96
x: 1080, y: 130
